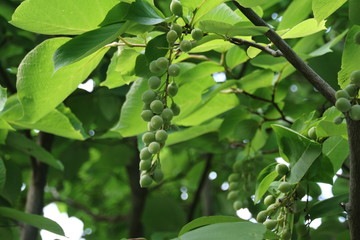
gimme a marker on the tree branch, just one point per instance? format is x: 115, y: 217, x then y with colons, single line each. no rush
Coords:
x: 320, y: 84
x: 266, y: 49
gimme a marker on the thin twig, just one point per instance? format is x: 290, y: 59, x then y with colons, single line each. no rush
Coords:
x: 266, y: 49
x: 343, y: 176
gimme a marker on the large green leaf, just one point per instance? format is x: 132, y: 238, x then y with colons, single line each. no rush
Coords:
x: 300, y: 151
x: 324, y: 8
x: 350, y: 58
x: 203, y: 221
x: 328, y: 207
x: 130, y: 123
x: 40, y: 90
x: 2, y: 175
x: 256, y: 79
x: 142, y: 12
x: 305, y: 28
x: 56, y: 17
x: 205, y: 7
x: 296, y: 12
x: 25, y: 145
x: 337, y: 150
x: 222, y: 13
x: 264, y: 185
x: 354, y: 6
x: 228, y: 231
x: 86, y: 44
x: 239, y: 29
x: 251, y: 3
x: 32, y: 219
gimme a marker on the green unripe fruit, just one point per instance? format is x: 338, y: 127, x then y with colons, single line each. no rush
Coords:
x: 355, y: 78
x: 232, y: 195
x: 352, y: 90
x: 312, y: 133
x: 338, y: 120
x: 153, y: 67
x: 177, y: 28
x: 158, y: 175
x: 234, y: 186
x: 342, y: 94
x: 176, y: 8
x: 146, y: 115
x: 161, y: 136
x: 167, y: 114
x: 174, y: 70
x: 150, y: 127
x: 272, y: 207
x: 145, y: 165
x: 156, y: 106
x: 282, y: 169
x: 234, y: 177
x: 156, y: 122
x: 162, y: 63
x: 237, y: 205
x: 185, y: 46
x: 154, y: 82
x: 145, y: 154
x: 284, y: 187
x: 270, y: 199
x: 171, y: 37
x: 261, y: 217
x: 172, y: 89
x: 145, y: 181
x: 146, y: 106
x: 300, y: 192
x: 355, y: 112
x: 148, y: 137
x: 175, y: 108
x: 197, y: 34
x: 148, y: 96
x: 154, y: 147
x: 270, y: 224
x: 343, y: 104
x: 357, y: 38
x: 285, y: 235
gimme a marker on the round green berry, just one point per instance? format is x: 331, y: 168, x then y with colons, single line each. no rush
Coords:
x: 177, y: 28
x: 145, y: 165
x: 154, y: 82
x: 171, y: 37
x: 154, y: 147
x: 272, y: 207
x: 197, y: 34
x: 312, y: 133
x: 343, y: 104
x: 234, y: 186
x: 158, y: 175
x: 237, y: 205
x: 352, y: 90
x: 145, y: 154
x: 174, y: 70
x: 355, y: 112
x: 270, y: 224
x: 284, y: 187
x: 282, y: 169
x: 175, y: 108
x: 156, y: 122
x: 357, y: 38
x: 270, y: 199
x: 148, y: 137
x: 232, y: 195
x: 161, y: 135
x: 185, y: 45
x: 148, y: 96
x: 162, y: 63
x: 167, y: 114
x: 234, y: 177
x: 153, y: 67
x: 342, y: 94
x: 172, y: 89
x: 150, y: 127
x: 157, y: 106
x: 355, y: 78
x: 338, y: 120
x: 176, y: 8
x: 146, y: 115
x: 145, y: 181
x: 261, y: 216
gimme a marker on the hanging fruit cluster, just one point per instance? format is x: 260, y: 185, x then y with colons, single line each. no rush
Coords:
x: 157, y: 111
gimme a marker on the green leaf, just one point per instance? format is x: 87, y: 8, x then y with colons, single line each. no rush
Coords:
x: 130, y: 123
x: 264, y: 185
x: 235, y: 56
x: 350, y: 58
x: 205, y: 7
x: 255, y: 80
x: 328, y: 207
x: 300, y: 151
x: 305, y: 28
x: 228, y: 231
x: 37, y: 83
x: 239, y: 29
x: 251, y: 3
x: 2, y: 175
x: 157, y: 47
x: 203, y: 221
x: 32, y: 219
x: 13, y: 182
x: 25, y: 145
x: 116, y: 14
x: 61, y: 16
x: 326, y: 48
x: 296, y: 12
x: 142, y: 12
x: 86, y: 44
x: 3, y: 97
x: 193, y: 132
x: 222, y: 13
x: 354, y: 6
x: 337, y: 150
x: 324, y: 8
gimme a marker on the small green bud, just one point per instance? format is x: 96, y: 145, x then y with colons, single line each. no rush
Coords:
x: 197, y: 34
x: 167, y: 114
x: 145, y: 165
x: 177, y: 28
x: 153, y: 67
x: 172, y: 89
x: 261, y: 216
x: 156, y: 122
x: 161, y: 135
x: 145, y: 181
x: 145, y: 154
x: 270, y: 199
x: 148, y: 137
x: 338, y: 120
x: 355, y: 112
x: 312, y: 133
x: 175, y: 108
x: 146, y: 115
x: 284, y: 187
x: 176, y: 8
x: 342, y: 94
x: 157, y: 106
x: 154, y: 82
x: 270, y: 224
x: 281, y: 169
x: 148, y: 96
x: 171, y: 37
x: 185, y: 45
x: 174, y: 70
x: 154, y: 147
x: 343, y: 104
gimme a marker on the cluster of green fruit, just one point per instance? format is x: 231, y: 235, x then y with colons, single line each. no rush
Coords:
x: 280, y: 205
x: 346, y: 99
